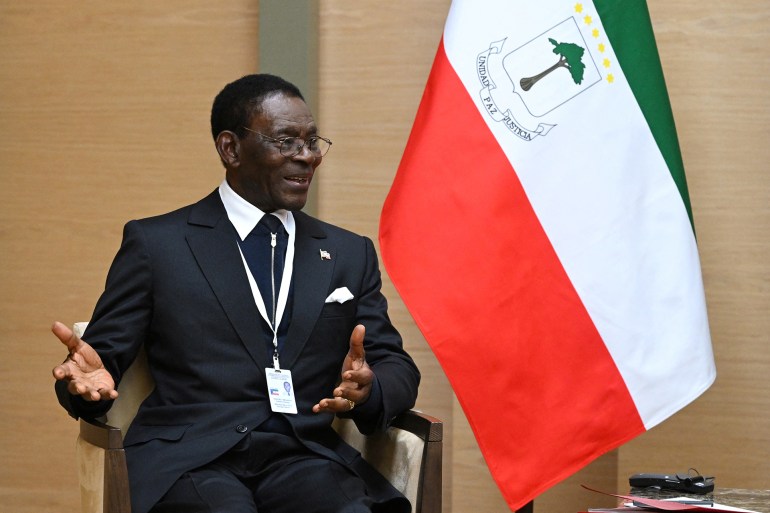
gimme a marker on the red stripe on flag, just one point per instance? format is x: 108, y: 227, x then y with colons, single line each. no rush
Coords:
x: 468, y: 256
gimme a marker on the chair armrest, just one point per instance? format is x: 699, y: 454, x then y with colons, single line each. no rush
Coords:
x: 111, y: 491
x: 428, y: 428
x: 97, y: 433
x: 431, y: 431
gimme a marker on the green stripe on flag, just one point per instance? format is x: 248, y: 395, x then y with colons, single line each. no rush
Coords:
x: 629, y: 28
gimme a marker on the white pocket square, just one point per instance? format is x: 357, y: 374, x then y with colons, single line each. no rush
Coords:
x: 340, y: 295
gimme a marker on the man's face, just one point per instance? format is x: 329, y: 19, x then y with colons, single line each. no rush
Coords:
x: 261, y: 175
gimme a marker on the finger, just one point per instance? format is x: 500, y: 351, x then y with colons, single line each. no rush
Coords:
x: 91, y: 393
x: 344, y: 391
x: 78, y: 387
x: 356, y: 351
x: 105, y: 390
x: 66, y: 335
x: 66, y: 369
x: 357, y: 394
x: 333, y: 405
x: 361, y: 376
x: 108, y: 393
x: 62, y: 371
x: 322, y: 406
x: 349, y: 385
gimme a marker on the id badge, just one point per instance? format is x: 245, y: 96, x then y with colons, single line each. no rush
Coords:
x: 280, y: 390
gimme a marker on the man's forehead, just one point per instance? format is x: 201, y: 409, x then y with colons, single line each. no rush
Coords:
x: 283, y: 112
x: 291, y: 123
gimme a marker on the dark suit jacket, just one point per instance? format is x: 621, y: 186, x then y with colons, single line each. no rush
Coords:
x: 178, y: 286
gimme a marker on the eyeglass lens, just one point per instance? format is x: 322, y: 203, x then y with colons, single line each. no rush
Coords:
x: 291, y: 146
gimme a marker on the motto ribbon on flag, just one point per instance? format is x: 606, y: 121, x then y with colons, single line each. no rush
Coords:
x: 539, y: 231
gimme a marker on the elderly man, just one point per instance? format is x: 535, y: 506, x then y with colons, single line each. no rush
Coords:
x: 260, y: 324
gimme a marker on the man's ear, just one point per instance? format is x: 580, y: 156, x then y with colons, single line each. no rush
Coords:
x: 229, y: 146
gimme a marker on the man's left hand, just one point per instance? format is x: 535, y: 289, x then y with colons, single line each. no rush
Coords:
x: 357, y: 378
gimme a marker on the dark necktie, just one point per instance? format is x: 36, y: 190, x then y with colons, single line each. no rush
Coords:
x: 265, y: 252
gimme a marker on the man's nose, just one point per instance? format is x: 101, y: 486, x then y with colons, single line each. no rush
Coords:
x: 306, y: 155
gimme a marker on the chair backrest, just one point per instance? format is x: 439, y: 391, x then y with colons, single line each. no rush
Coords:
x: 408, y: 454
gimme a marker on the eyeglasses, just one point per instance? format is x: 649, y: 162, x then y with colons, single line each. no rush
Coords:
x: 292, y: 146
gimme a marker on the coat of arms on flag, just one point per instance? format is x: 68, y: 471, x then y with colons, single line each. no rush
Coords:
x: 522, y: 85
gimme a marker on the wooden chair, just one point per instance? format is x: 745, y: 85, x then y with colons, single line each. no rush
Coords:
x: 408, y: 454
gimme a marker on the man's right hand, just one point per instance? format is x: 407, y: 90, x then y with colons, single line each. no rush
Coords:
x: 83, y: 369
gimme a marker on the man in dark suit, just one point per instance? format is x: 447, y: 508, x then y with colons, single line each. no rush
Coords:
x: 260, y: 324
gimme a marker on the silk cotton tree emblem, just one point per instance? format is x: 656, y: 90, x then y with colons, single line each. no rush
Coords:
x: 570, y: 57
x: 522, y: 87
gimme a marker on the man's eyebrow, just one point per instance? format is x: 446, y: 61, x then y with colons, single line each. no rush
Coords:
x: 293, y: 129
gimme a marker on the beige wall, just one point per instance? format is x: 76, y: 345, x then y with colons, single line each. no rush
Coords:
x: 104, y: 115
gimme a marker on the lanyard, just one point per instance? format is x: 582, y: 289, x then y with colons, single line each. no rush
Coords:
x: 279, y: 307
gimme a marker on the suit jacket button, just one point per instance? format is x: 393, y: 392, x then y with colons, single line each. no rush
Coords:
x: 241, y: 428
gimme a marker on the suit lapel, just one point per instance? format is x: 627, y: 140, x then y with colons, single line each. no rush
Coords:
x: 213, y: 241
x: 311, y: 277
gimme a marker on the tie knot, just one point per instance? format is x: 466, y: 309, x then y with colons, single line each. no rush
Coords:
x: 272, y: 223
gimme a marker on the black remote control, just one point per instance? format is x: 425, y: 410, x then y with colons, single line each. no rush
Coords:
x: 677, y: 482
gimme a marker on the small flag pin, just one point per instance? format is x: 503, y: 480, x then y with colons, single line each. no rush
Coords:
x: 325, y: 255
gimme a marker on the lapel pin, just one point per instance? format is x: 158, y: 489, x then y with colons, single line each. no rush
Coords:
x: 325, y: 255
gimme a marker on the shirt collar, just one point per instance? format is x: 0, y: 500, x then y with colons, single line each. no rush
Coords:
x: 244, y: 216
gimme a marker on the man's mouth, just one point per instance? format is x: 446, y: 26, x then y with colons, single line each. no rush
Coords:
x: 298, y: 179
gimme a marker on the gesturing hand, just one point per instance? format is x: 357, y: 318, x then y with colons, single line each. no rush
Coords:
x: 83, y: 369
x: 357, y: 378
